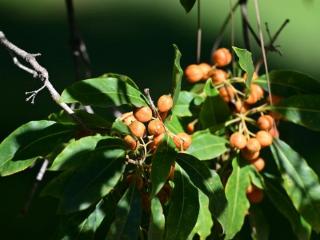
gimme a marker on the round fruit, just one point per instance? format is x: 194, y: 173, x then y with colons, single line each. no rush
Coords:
x: 190, y: 127
x: 156, y: 142
x: 264, y: 138
x: 257, y: 90
x: 226, y: 93
x: 137, y: 129
x: 128, y: 118
x: 249, y: 156
x: 206, y: 68
x: 155, y: 127
x: 274, y: 131
x: 240, y: 106
x: 259, y: 164
x: 254, y: 194
x: 143, y: 114
x: 252, y: 98
x: 182, y: 140
x: 238, y: 140
x: 221, y: 57
x: 131, y: 142
x: 265, y: 122
x: 253, y: 145
x: 165, y: 103
x: 193, y: 73
x: 163, y: 115
x: 218, y: 76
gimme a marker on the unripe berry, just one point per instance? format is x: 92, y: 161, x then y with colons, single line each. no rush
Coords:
x: 226, y: 93
x: 265, y: 122
x: 131, y: 142
x: 259, y: 164
x: 206, y: 68
x: 238, y: 140
x: 253, y: 145
x: 264, y: 138
x: 155, y: 127
x: 143, y: 114
x: 165, y: 103
x: 137, y: 129
x: 182, y: 140
x: 218, y: 76
x: 221, y: 57
x: 193, y: 73
x: 254, y: 194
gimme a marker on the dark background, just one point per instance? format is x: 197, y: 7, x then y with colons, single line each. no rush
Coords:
x: 132, y: 37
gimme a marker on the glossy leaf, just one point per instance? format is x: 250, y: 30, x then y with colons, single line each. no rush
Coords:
x: 76, y: 153
x: 183, y: 209
x: 157, y: 221
x: 287, y: 83
x: 182, y: 107
x: 245, y: 62
x: 161, y: 163
x: 256, y: 178
x: 103, y: 92
x: 282, y: 202
x: 300, y: 182
x: 94, y: 179
x: 301, y: 109
x: 120, y: 127
x: 204, y: 221
x: 173, y: 124
x: 30, y: 141
x: 206, y: 181
x: 122, y: 77
x: 238, y: 203
x: 187, y: 4
x: 127, y: 216
x: 176, y: 75
x: 259, y: 224
x: 206, y: 146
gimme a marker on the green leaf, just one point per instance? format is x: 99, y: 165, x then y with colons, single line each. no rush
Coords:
x: 300, y: 182
x: 206, y: 146
x: 122, y: 77
x: 30, y: 141
x: 176, y: 76
x: 238, y: 203
x: 157, y: 221
x: 256, y: 178
x: 259, y: 224
x: 161, y: 163
x: 287, y: 83
x: 103, y: 92
x: 245, y: 62
x: 94, y: 179
x: 183, y: 209
x: 187, y: 4
x: 76, y: 153
x: 214, y: 110
x: 208, y: 182
x: 301, y: 109
x: 182, y: 107
x: 282, y: 202
x: 120, y: 127
x: 173, y: 124
x: 127, y: 216
x: 204, y: 221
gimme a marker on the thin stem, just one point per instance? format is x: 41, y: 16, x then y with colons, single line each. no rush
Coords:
x: 199, y: 33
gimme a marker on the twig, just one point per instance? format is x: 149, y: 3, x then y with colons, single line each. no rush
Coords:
x: 245, y: 27
x: 223, y: 28
x: 153, y: 107
x: 37, y: 71
x: 199, y: 33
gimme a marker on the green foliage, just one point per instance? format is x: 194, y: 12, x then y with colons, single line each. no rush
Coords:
x: 187, y: 4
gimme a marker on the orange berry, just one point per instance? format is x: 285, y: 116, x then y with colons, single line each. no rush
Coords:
x: 143, y: 114
x: 274, y: 131
x: 156, y: 142
x: 155, y: 127
x: 182, y: 140
x: 165, y: 103
x: 218, y: 76
x: 137, y: 129
x: 206, y: 68
x: 193, y: 73
x: 254, y: 194
x: 265, y: 122
x: 253, y: 145
x: 252, y: 98
x: 238, y: 140
x: 190, y: 127
x: 131, y: 142
x: 259, y: 92
x: 163, y: 115
x: 221, y: 57
x: 128, y: 118
x: 264, y: 138
x: 249, y: 156
x: 226, y: 93
x: 259, y: 164
x: 240, y: 106
x: 275, y: 99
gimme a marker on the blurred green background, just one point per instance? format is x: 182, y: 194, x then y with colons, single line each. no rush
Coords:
x: 132, y: 37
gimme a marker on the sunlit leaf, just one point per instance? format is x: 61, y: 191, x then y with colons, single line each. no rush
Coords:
x: 176, y: 75
x: 157, y: 220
